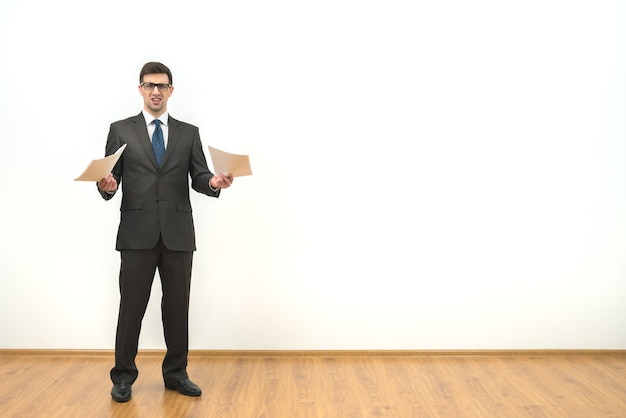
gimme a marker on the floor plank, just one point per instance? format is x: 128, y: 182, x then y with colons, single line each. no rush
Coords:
x: 242, y: 386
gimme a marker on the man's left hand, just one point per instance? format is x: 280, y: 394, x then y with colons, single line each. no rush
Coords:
x: 221, y: 181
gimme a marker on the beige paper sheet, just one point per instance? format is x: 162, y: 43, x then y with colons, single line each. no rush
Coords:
x: 230, y: 164
x: 99, y: 169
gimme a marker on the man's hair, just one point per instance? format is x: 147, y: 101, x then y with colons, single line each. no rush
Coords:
x: 155, y: 68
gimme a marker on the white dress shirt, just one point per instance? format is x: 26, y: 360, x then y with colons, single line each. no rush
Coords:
x: 164, y: 126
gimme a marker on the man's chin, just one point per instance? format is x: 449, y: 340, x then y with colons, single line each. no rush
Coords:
x: 155, y: 109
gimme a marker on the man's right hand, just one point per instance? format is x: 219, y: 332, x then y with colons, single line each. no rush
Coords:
x: 108, y: 184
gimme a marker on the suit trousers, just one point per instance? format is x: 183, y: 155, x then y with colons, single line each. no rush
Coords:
x: 137, y: 271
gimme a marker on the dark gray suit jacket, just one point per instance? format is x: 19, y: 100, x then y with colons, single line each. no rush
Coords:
x: 155, y: 201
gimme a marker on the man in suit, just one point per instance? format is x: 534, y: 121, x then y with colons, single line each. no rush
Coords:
x: 156, y: 226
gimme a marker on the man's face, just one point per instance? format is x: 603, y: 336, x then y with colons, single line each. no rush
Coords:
x: 155, y: 100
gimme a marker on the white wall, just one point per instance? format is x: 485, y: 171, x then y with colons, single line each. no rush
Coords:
x: 427, y: 174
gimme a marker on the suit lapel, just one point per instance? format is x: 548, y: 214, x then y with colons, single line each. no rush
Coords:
x: 141, y: 131
x: 173, y: 136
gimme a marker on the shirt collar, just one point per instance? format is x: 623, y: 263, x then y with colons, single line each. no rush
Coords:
x: 149, y: 118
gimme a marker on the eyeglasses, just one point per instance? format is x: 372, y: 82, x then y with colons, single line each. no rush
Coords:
x: 151, y: 86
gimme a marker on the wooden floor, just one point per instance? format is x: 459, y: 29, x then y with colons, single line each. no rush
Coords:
x: 328, y: 385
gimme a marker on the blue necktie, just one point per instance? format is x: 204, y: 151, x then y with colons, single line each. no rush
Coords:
x: 158, y: 144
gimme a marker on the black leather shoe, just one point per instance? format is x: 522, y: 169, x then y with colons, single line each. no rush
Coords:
x: 185, y: 387
x: 121, y: 392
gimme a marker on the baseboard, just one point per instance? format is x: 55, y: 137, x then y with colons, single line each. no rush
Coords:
x: 327, y: 353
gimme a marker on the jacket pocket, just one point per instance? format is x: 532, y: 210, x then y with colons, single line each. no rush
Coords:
x: 131, y: 205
